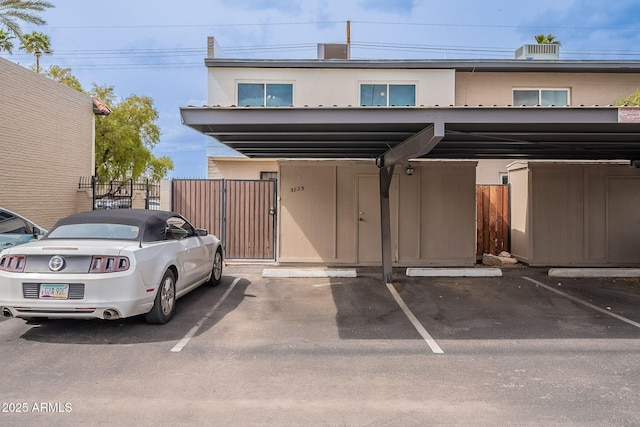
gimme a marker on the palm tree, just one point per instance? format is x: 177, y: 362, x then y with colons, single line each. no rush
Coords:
x: 36, y: 43
x: 5, y: 41
x: 548, y: 39
x: 12, y: 11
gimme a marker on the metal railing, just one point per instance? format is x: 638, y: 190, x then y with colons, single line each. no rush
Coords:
x: 122, y: 194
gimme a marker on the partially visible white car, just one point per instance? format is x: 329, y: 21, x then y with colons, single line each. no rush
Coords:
x: 16, y: 229
x: 109, y: 264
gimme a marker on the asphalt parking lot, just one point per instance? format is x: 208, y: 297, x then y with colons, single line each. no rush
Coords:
x: 522, y: 349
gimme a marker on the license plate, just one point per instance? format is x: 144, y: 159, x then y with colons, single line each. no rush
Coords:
x: 54, y: 291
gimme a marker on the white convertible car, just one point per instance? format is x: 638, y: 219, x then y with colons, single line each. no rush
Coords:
x: 109, y: 264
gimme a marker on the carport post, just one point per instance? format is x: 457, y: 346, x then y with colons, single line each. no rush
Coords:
x: 386, y: 174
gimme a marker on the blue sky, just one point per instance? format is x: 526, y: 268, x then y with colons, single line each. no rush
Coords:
x: 156, y: 48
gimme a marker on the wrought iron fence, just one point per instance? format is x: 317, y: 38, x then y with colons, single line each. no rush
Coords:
x: 122, y: 194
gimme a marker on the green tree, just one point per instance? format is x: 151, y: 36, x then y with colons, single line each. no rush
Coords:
x: 158, y: 167
x: 13, y: 11
x: 36, y: 43
x: 124, y: 138
x: 64, y: 76
x: 632, y: 100
x: 547, y: 39
x: 5, y: 41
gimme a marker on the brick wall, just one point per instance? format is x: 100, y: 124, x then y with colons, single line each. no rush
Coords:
x: 46, y: 143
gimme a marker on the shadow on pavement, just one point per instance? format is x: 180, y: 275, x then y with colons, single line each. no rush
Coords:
x: 190, y: 309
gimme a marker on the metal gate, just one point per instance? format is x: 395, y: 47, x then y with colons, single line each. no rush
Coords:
x: 118, y: 194
x: 240, y: 212
x: 492, y: 219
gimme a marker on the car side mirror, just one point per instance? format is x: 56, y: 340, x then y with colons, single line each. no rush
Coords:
x: 36, y: 232
x: 202, y: 232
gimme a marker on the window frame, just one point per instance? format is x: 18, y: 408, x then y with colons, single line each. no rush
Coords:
x: 264, y: 84
x: 268, y: 175
x: 503, y: 178
x: 387, y: 97
x: 540, y: 90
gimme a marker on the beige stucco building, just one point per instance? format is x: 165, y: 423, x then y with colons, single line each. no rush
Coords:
x: 47, y: 140
x: 330, y: 213
x: 498, y: 111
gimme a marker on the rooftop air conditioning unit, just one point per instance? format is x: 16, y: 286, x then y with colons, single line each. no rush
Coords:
x: 333, y: 51
x: 538, y: 51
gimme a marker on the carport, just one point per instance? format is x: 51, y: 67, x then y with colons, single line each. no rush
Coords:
x: 393, y: 136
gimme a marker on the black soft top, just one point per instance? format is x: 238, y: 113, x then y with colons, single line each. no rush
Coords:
x: 151, y: 223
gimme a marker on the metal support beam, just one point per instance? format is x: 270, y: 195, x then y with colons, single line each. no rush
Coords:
x: 416, y: 146
x: 386, y: 174
x: 413, y: 147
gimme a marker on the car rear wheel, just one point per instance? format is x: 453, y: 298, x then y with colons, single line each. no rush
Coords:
x: 165, y: 301
x: 216, y: 271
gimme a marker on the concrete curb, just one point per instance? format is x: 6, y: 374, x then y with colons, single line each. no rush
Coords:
x: 308, y: 272
x: 454, y: 272
x: 594, y: 272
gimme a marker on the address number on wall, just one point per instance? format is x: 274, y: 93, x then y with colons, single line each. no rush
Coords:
x: 296, y: 189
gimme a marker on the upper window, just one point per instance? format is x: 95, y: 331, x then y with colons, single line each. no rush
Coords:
x: 265, y: 94
x: 544, y: 97
x: 268, y: 175
x: 503, y: 177
x: 387, y: 95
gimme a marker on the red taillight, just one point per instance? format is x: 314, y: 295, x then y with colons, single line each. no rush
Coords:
x: 13, y: 263
x: 108, y: 264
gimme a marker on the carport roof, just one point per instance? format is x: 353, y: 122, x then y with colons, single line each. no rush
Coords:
x: 576, y: 133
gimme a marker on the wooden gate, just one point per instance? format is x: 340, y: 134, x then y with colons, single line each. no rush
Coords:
x: 492, y: 219
x: 240, y: 212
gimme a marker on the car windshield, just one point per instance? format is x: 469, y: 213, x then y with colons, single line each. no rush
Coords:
x: 95, y: 231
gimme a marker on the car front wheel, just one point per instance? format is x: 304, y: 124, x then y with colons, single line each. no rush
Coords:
x: 216, y: 271
x: 165, y: 301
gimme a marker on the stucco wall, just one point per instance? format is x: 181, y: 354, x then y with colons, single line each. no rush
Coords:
x: 330, y: 87
x: 322, y: 219
x: 584, y: 88
x: 242, y: 168
x: 575, y: 214
x: 519, y: 211
x: 46, y: 135
x: 488, y: 171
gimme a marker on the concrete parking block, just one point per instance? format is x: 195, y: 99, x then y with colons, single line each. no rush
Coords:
x: 594, y: 272
x: 309, y: 272
x: 454, y: 272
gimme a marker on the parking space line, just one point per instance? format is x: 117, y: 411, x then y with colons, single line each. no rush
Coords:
x: 185, y: 340
x: 414, y: 321
x: 585, y: 303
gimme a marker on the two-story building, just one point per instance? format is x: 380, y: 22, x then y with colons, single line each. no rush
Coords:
x: 385, y: 154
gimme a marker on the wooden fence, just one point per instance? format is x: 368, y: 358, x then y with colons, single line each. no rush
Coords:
x: 492, y: 219
x: 240, y: 212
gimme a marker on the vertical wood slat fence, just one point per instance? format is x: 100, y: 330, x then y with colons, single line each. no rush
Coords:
x: 492, y: 219
x: 250, y: 214
x: 240, y: 212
